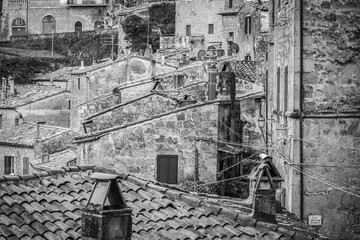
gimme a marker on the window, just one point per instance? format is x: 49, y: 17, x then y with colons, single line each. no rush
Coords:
x: 167, y: 169
x: 49, y: 24
x: 188, y: 30
x: 78, y: 27
x: 278, y: 90
x: 9, y: 165
x: 79, y: 83
x: 286, y: 85
x: 69, y: 104
x: 231, y: 37
x: 97, y: 25
x: 273, y: 12
x: 18, y: 27
x: 211, y: 28
x: 248, y: 25
x: 230, y: 3
x: 25, y: 165
x: 1, y: 121
x: 247, y: 57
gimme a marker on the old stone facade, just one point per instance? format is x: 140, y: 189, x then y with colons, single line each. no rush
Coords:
x: 38, y: 17
x: 92, y: 88
x: 313, y: 109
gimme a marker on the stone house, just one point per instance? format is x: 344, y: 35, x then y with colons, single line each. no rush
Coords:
x: 29, y: 143
x: 33, y: 103
x: 100, y: 86
x: 20, y: 17
x: 313, y: 108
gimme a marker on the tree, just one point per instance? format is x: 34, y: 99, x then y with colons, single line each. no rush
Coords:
x: 135, y: 29
x: 161, y: 16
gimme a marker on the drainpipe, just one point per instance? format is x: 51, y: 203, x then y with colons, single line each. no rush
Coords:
x: 301, y: 111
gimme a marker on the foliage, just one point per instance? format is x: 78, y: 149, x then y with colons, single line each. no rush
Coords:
x: 161, y: 16
x: 21, y: 69
x: 135, y: 29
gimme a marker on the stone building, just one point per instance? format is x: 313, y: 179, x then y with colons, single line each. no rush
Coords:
x: 22, y: 17
x: 33, y: 103
x: 96, y: 87
x: 313, y: 108
x: 29, y: 143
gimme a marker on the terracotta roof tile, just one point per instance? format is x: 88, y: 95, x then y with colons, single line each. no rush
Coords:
x: 48, y: 207
x: 28, y: 93
x: 246, y: 70
x: 25, y: 134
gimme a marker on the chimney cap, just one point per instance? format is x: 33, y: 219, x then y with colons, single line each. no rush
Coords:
x: 104, y: 176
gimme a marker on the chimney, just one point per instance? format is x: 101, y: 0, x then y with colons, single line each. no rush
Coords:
x: 263, y: 189
x: 153, y: 68
x: 106, y: 215
x: 3, y: 88
x: 12, y: 86
x: 82, y: 64
x: 37, y: 141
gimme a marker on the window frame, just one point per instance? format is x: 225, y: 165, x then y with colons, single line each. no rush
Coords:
x: 159, y: 176
x: 211, y: 28
x: 27, y: 160
x: 188, y: 30
x: 248, y: 24
x: 12, y: 165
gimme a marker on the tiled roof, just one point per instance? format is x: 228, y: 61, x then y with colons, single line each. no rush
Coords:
x: 58, y: 159
x: 246, y: 70
x: 28, y: 93
x: 60, y: 74
x: 231, y: 11
x: 25, y: 133
x: 47, y: 205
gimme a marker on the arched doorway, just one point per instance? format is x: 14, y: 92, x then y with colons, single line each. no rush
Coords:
x: 78, y: 27
x: 49, y: 24
x: 18, y: 27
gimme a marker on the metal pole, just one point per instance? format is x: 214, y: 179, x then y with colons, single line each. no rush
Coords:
x: 112, y: 47
x: 52, y: 42
x: 27, y: 18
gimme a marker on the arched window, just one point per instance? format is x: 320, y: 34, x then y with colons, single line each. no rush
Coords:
x: 49, y: 24
x: 18, y: 27
x: 97, y: 25
x: 78, y: 27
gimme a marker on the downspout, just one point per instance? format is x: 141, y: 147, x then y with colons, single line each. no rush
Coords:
x: 301, y: 112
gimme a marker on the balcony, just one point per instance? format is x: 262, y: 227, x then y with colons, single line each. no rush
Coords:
x: 87, y: 3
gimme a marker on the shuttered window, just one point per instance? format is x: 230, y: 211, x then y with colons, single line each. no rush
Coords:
x: 188, y: 30
x: 167, y: 169
x: 286, y: 85
x: 248, y: 25
x: 211, y: 28
x: 25, y: 165
x: 8, y: 165
x: 278, y: 90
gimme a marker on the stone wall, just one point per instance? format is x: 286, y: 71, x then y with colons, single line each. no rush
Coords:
x: 333, y: 142
x: 330, y: 102
x: 18, y: 153
x: 332, y: 55
x: 57, y: 143
x: 134, y: 149
x: 199, y: 14
x: 53, y: 110
x: 8, y: 117
x: 145, y: 108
